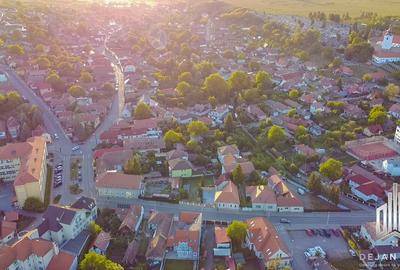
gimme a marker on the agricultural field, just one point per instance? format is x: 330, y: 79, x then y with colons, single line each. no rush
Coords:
x: 304, y: 7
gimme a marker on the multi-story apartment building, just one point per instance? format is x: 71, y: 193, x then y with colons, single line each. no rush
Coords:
x: 25, y: 165
x: 62, y: 223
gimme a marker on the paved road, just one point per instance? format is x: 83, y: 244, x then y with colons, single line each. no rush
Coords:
x: 62, y: 148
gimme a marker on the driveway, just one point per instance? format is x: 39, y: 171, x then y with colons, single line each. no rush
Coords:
x: 209, y: 244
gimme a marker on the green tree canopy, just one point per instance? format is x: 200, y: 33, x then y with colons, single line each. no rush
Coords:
x: 331, y: 168
x: 185, y: 77
x: 76, y: 91
x: 94, y: 228
x: 142, y: 111
x: 215, y: 85
x: 86, y: 77
x: 294, y: 94
x: 94, y: 261
x: 133, y: 166
x: 229, y: 125
x: 33, y: 204
x: 144, y: 84
x: 276, y: 134
x: 197, y: 128
x: 314, y: 183
x: 172, y: 137
x: 43, y: 62
x: 264, y: 81
x: 239, y: 80
x: 16, y: 49
x: 392, y: 90
x: 108, y: 87
x: 238, y: 176
x: 377, y: 115
x: 55, y: 81
x: 183, y: 88
x: 237, y: 232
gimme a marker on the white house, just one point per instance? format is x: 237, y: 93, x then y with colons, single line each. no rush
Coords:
x: 392, y: 166
x: 262, y: 198
x: 223, y: 242
x: 119, y: 185
x: 388, y: 49
x: 227, y: 196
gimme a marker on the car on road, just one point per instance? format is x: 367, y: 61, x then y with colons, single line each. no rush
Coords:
x: 76, y: 148
x: 319, y: 232
x: 300, y: 191
x: 56, y: 137
x: 309, y: 232
x: 284, y: 220
x: 352, y: 253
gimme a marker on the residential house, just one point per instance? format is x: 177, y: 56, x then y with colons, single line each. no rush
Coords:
x: 180, y: 168
x: 61, y: 224
x: 365, y: 189
x: 7, y: 231
x: 227, y: 196
x: 373, y: 130
x: 352, y: 111
x: 277, y: 108
x: 63, y: 261
x: 305, y: 150
x: 222, y: 241
x: 368, y: 232
x: 143, y: 145
x: 101, y: 243
x: 227, y: 150
x: 218, y: 114
x: 286, y: 200
x: 159, y: 225
x: 3, y: 130
x: 394, y: 110
x: 185, y: 235
x: 112, y: 184
x: 28, y: 252
x: 262, y: 198
x: 317, y: 107
x: 200, y: 110
x: 255, y: 113
x: 112, y: 160
x: 25, y: 164
x: 264, y: 240
x: 131, y: 217
x: 13, y: 127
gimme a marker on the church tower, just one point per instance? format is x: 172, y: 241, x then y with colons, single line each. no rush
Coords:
x: 387, y: 40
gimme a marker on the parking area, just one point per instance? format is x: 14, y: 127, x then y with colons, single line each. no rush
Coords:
x: 299, y: 241
x: 6, y: 196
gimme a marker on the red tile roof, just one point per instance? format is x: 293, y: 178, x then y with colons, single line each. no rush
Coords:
x: 112, y: 179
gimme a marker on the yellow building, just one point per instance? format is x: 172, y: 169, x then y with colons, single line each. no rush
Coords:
x: 25, y: 164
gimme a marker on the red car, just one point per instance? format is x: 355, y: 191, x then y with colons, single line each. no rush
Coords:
x: 309, y: 232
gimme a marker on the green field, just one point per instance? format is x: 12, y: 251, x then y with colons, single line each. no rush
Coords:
x: 304, y: 7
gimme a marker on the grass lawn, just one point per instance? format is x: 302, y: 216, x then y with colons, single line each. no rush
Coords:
x: 47, y: 192
x: 194, y: 186
x: 178, y: 265
x: 74, y: 169
x: 346, y: 264
x: 304, y: 7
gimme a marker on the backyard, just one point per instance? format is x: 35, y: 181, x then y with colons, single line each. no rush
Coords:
x: 178, y: 265
x: 193, y: 186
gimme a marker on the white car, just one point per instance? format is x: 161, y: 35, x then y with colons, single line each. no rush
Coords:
x: 75, y: 148
x: 352, y: 253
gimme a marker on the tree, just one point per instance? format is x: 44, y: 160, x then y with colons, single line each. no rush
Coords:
x: 239, y: 81
x: 16, y: 49
x: 366, y: 77
x: 133, y: 165
x: 65, y: 69
x: 294, y: 94
x: 276, y: 134
x: 43, y: 62
x: 252, y: 95
x: 94, y: 261
x: 171, y: 137
x: 197, y: 128
x: 144, y: 84
x: 213, y: 101
x: 1, y: 43
x: 86, y: 77
x: 229, y: 125
x: 185, y: 77
x: 55, y: 81
x: 392, y: 90
x: 33, y: 204
x: 334, y: 194
x: 237, y: 232
x: 142, y: 111
x: 183, y: 88
x: 76, y: 91
x: 331, y: 168
x: 263, y: 81
x: 238, y: 176
x: 314, y: 183
x: 216, y: 86
x: 108, y: 87
x: 94, y: 228
x: 377, y: 115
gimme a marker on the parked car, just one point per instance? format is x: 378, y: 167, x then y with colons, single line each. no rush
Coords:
x: 56, y: 137
x: 352, y: 253
x: 309, y: 233
x: 284, y: 220
x: 336, y: 232
x: 75, y: 148
x: 326, y: 233
x: 319, y: 232
x: 300, y: 191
